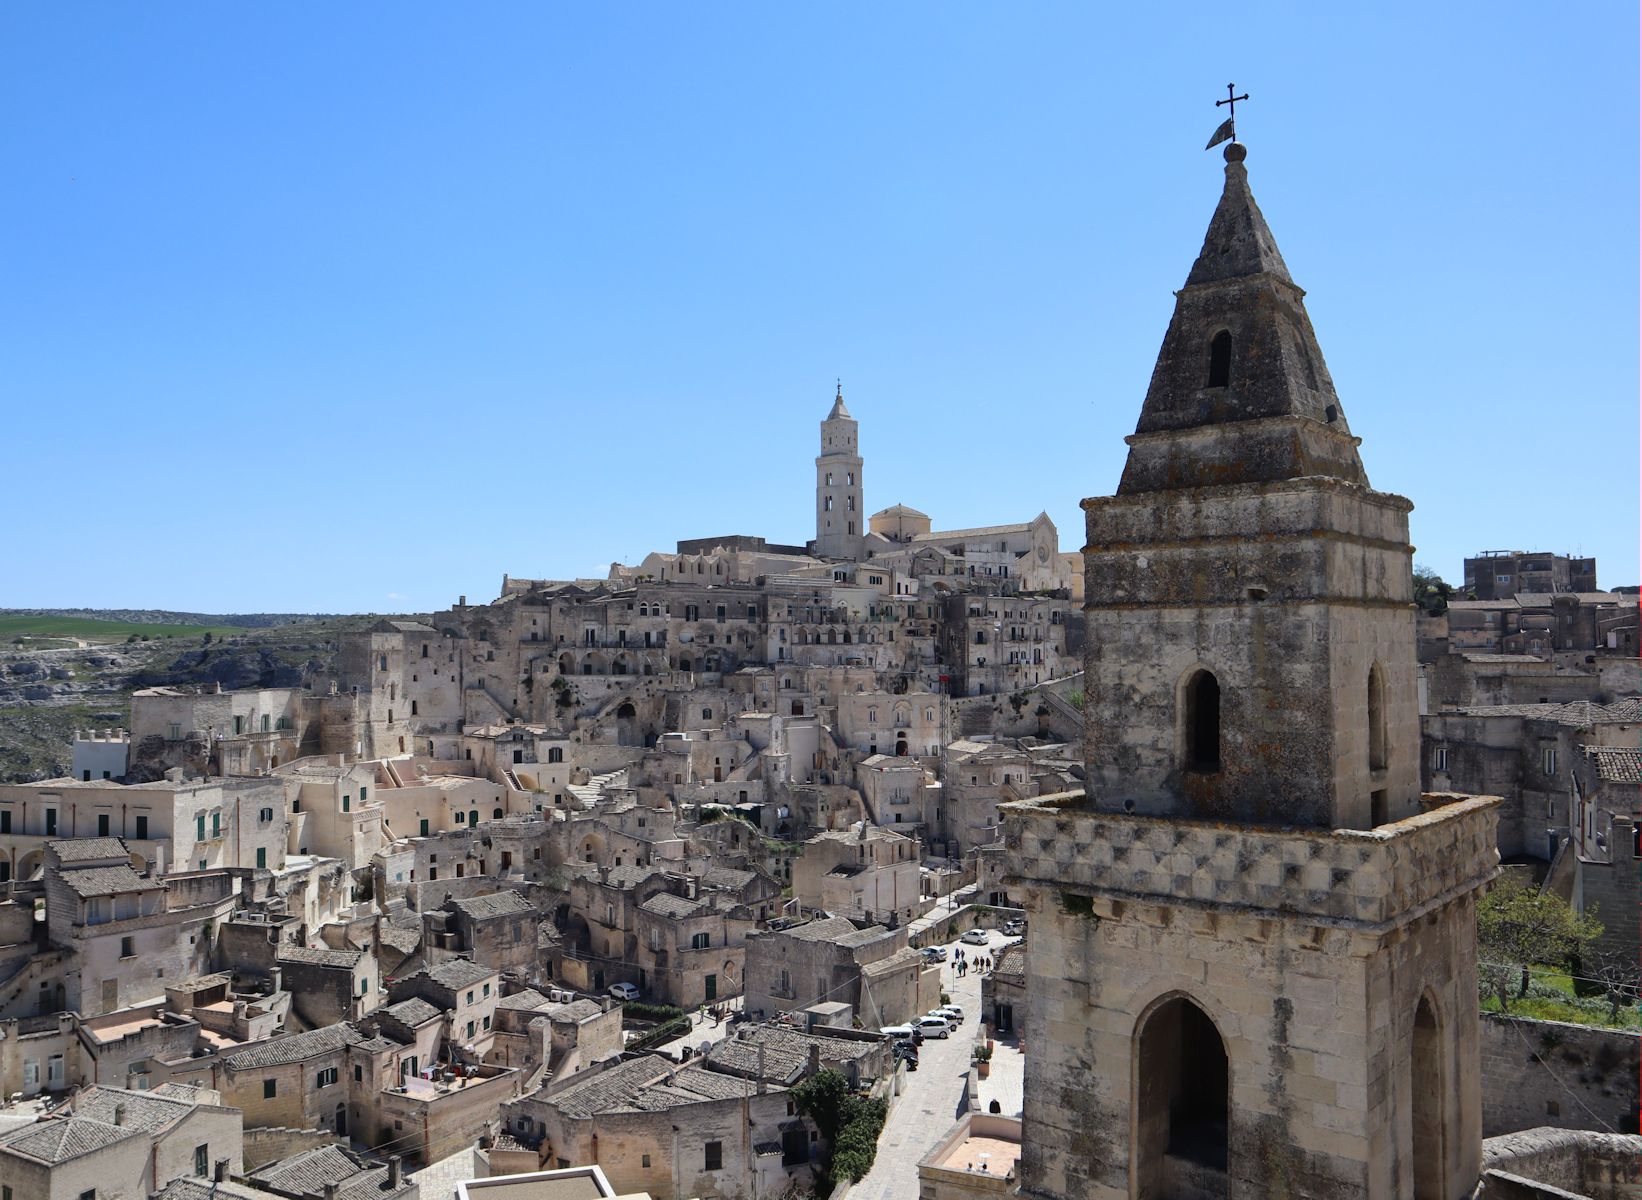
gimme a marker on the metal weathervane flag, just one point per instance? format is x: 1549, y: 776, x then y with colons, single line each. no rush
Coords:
x: 1228, y: 128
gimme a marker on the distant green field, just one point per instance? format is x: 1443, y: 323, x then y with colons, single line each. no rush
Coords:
x: 104, y: 631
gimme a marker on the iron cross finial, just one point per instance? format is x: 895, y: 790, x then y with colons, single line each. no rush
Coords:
x: 840, y: 387
x: 1232, y: 98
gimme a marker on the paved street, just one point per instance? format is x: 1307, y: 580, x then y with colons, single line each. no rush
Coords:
x: 933, y: 1098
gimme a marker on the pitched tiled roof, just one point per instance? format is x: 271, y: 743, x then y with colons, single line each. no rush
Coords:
x: 906, y: 958
x: 1617, y: 764
x: 412, y: 1012
x: 309, y: 1171
x: 630, y: 875
x: 612, y: 1088
x: 643, y: 1085
x: 1011, y: 960
x: 58, y: 1140
x: 947, y: 535
x: 458, y: 973
x: 108, y: 881
x: 786, y: 1051
x: 188, y: 1188
x: 727, y: 879
x: 829, y: 929
x: 1579, y: 713
x: 296, y: 1047
x: 322, y: 957
x: 142, y: 1110
x: 665, y: 904
x: 84, y: 849
x: 499, y: 904
x: 404, y: 939
x: 576, y: 1010
x: 527, y: 1000
x: 710, y: 1084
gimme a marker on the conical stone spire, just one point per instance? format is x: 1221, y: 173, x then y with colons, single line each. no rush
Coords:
x: 1240, y: 393
x: 838, y: 410
x: 1239, y: 241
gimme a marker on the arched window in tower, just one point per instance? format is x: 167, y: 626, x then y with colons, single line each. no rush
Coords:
x: 1376, y: 718
x: 1220, y: 359
x: 829, y: 478
x: 849, y: 476
x: 850, y: 504
x: 1202, y: 723
x: 826, y: 504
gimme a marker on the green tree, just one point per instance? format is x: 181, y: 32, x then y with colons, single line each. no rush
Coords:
x: 1431, y: 592
x: 848, y: 1124
x: 1520, y: 926
x: 821, y: 1098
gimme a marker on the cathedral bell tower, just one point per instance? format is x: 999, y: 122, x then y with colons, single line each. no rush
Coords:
x: 840, y: 520
x: 1252, y: 966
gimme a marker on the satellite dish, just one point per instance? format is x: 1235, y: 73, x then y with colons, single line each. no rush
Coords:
x: 703, y: 1048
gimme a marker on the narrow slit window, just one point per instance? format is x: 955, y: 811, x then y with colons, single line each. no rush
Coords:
x: 1203, y: 723
x: 1220, y: 359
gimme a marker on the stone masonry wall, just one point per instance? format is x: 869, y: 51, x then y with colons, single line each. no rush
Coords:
x: 1547, y: 1073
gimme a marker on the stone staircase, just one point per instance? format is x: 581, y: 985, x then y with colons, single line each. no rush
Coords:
x: 590, y: 793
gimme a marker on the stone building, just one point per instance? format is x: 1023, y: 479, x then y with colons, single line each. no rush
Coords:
x: 690, y: 948
x: 169, y: 825
x: 328, y: 986
x: 1497, y: 574
x: 464, y: 989
x: 873, y: 970
x: 674, y: 1132
x: 496, y: 931
x: 867, y: 872
x: 65, y: 1159
x: 127, y: 934
x: 1252, y: 969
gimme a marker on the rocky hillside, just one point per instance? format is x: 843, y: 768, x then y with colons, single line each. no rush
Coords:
x: 55, y: 678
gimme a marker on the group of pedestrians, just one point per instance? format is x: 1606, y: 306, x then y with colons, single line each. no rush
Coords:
x: 962, y: 964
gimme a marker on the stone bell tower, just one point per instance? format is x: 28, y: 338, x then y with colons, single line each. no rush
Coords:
x: 1252, y: 965
x: 840, y: 521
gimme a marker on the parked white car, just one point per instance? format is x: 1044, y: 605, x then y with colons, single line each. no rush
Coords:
x: 974, y: 937
x: 623, y: 991
x: 933, y: 1027
x: 896, y: 1031
x: 955, y: 1011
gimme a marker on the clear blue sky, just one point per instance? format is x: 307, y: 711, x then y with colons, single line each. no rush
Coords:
x: 354, y: 307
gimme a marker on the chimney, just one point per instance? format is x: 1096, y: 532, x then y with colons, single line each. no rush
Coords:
x: 761, y: 1068
x: 330, y: 1191
x: 221, y: 1173
x: 393, y: 1172
x: 119, y: 1114
x: 815, y: 1058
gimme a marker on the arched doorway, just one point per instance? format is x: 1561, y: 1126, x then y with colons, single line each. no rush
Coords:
x: 342, y: 1119
x: 1182, y: 1103
x: 1426, y: 1075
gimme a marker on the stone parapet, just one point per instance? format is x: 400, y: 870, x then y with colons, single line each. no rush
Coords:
x: 1371, y: 879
